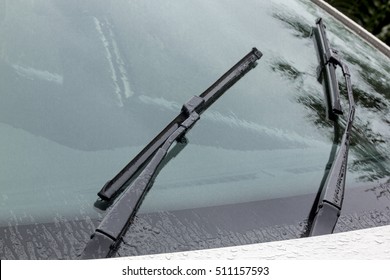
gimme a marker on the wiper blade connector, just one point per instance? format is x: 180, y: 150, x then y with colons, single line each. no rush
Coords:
x: 328, y: 205
x: 208, y: 97
x: 109, y: 232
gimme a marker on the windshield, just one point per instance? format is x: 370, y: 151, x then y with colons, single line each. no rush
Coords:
x: 85, y: 85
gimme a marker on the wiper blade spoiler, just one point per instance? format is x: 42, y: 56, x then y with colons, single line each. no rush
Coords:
x: 328, y: 206
x: 208, y: 97
x: 109, y: 232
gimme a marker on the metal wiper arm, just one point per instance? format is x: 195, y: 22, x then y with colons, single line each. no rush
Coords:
x: 329, y: 204
x: 109, y: 232
x: 208, y: 97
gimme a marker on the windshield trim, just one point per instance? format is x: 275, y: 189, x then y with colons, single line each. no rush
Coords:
x: 354, y: 27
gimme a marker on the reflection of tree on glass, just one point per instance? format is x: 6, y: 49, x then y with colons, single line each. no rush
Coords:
x: 370, y: 159
x: 373, y: 15
x: 383, y: 190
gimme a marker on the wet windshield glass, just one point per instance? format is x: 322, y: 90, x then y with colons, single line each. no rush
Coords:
x: 85, y: 85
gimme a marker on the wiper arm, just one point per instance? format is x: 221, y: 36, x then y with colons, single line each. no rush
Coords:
x: 206, y: 99
x: 109, y: 232
x: 328, y: 205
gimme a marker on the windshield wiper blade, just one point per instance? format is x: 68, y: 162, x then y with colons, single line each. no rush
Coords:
x: 330, y: 200
x: 109, y: 232
x: 207, y: 98
x: 327, y: 70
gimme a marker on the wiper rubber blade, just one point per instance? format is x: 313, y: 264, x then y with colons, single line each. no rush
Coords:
x: 328, y: 206
x: 109, y: 232
x: 207, y: 98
